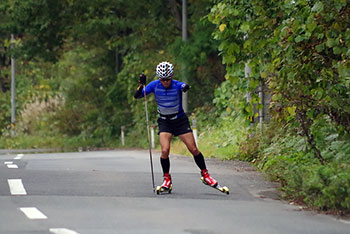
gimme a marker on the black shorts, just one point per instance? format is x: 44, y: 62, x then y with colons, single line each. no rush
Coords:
x: 177, y: 127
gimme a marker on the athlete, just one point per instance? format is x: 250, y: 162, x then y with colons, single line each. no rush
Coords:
x: 172, y: 120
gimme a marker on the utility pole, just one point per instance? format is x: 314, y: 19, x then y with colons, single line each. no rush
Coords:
x: 184, y: 20
x: 262, y: 102
x: 247, y: 71
x: 13, y: 90
x: 184, y: 66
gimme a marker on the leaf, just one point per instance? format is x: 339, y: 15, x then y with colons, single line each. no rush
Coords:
x: 222, y: 27
x: 337, y: 50
x: 337, y: 26
x: 234, y: 12
x: 247, y: 44
x: 291, y: 110
x: 233, y: 48
x: 331, y: 42
x: 299, y: 38
x: 318, y: 7
x: 320, y: 48
x: 320, y: 36
x: 263, y: 74
x: 332, y: 137
x: 245, y: 27
x: 310, y: 114
x: 311, y: 27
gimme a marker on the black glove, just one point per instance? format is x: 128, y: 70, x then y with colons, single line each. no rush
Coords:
x: 185, y: 88
x: 138, y: 92
x: 142, y: 79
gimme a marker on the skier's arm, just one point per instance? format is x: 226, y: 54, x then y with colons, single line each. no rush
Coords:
x: 142, y: 82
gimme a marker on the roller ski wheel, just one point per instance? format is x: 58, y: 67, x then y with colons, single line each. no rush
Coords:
x: 222, y: 189
x: 210, y: 181
x: 161, y: 190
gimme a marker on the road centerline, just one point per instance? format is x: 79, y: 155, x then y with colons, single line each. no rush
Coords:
x: 62, y: 231
x: 19, y: 156
x: 16, y: 187
x: 33, y: 213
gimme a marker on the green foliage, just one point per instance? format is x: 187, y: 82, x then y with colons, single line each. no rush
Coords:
x: 286, y: 158
x: 91, y: 109
x: 56, y: 142
x: 323, y: 187
x: 41, y: 25
x: 198, y: 63
x: 300, y: 50
x: 5, y: 116
x: 296, y: 48
x: 90, y: 54
x: 218, y: 137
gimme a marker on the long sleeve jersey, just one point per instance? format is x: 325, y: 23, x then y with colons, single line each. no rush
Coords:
x: 169, y: 100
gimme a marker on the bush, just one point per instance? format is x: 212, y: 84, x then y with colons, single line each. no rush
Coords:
x: 324, y: 187
x: 285, y: 158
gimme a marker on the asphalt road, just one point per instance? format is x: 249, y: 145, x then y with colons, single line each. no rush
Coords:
x: 111, y: 192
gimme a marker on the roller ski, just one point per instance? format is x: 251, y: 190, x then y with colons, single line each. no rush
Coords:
x: 167, y: 185
x: 210, y: 181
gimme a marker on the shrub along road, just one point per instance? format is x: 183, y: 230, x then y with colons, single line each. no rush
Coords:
x: 111, y: 192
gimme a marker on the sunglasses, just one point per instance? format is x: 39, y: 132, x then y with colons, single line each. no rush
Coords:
x: 165, y: 79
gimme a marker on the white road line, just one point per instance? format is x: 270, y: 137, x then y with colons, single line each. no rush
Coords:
x: 8, y: 163
x: 19, y: 156
x: 62, y: 231
x: 12, y: 166
x: 33, y: 213
x: 344, y: 221
x: 16, y: 187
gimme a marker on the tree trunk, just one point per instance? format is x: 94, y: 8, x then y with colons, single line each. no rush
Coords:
x: 306, y: 123
x: 176, y: 14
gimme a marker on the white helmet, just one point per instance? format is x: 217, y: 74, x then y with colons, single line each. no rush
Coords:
x: 165, y: 70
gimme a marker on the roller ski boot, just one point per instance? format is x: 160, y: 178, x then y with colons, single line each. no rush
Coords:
x: 167, y: 185
x: 210, y: 181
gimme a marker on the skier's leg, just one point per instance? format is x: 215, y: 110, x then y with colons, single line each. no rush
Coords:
x: 190, y: 143
x: 165, y: 139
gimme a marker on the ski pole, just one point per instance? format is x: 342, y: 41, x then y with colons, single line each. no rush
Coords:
x: 149, y: 140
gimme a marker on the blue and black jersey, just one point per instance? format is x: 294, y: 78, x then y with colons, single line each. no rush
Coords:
x: 169, y: 100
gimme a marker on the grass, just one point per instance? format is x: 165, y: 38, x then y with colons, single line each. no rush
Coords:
x: 216, y: 142
x: 60, y: 143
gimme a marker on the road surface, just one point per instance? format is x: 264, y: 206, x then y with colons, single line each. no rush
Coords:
x: 111, y: 192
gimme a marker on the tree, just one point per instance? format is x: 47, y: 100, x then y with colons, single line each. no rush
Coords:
x: 299, y: 48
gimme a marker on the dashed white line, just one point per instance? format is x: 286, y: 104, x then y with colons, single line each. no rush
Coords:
x: 16, y: 187
x: 62, y: 231
x: 10, y: 165
x: 33, y: 213
x: 19, y: 156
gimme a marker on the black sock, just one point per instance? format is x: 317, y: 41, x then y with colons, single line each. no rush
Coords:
x: 199, y: 159
x: 165, y: 164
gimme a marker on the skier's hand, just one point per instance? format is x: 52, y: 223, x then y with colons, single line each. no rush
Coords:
x: 185, y: 88
x: 142, y: 79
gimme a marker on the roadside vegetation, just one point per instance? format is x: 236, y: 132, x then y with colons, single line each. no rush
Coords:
x: 77, y: 67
